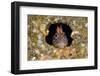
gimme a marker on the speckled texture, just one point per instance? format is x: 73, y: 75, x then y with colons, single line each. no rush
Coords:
x: 39, y: 49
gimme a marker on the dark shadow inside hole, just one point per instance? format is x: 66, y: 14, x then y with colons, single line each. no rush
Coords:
x: 52, y: 30
x: 70, y: 54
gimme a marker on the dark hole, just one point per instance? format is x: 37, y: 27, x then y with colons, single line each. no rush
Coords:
x: 52, y: 30
x: 70, y: 54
